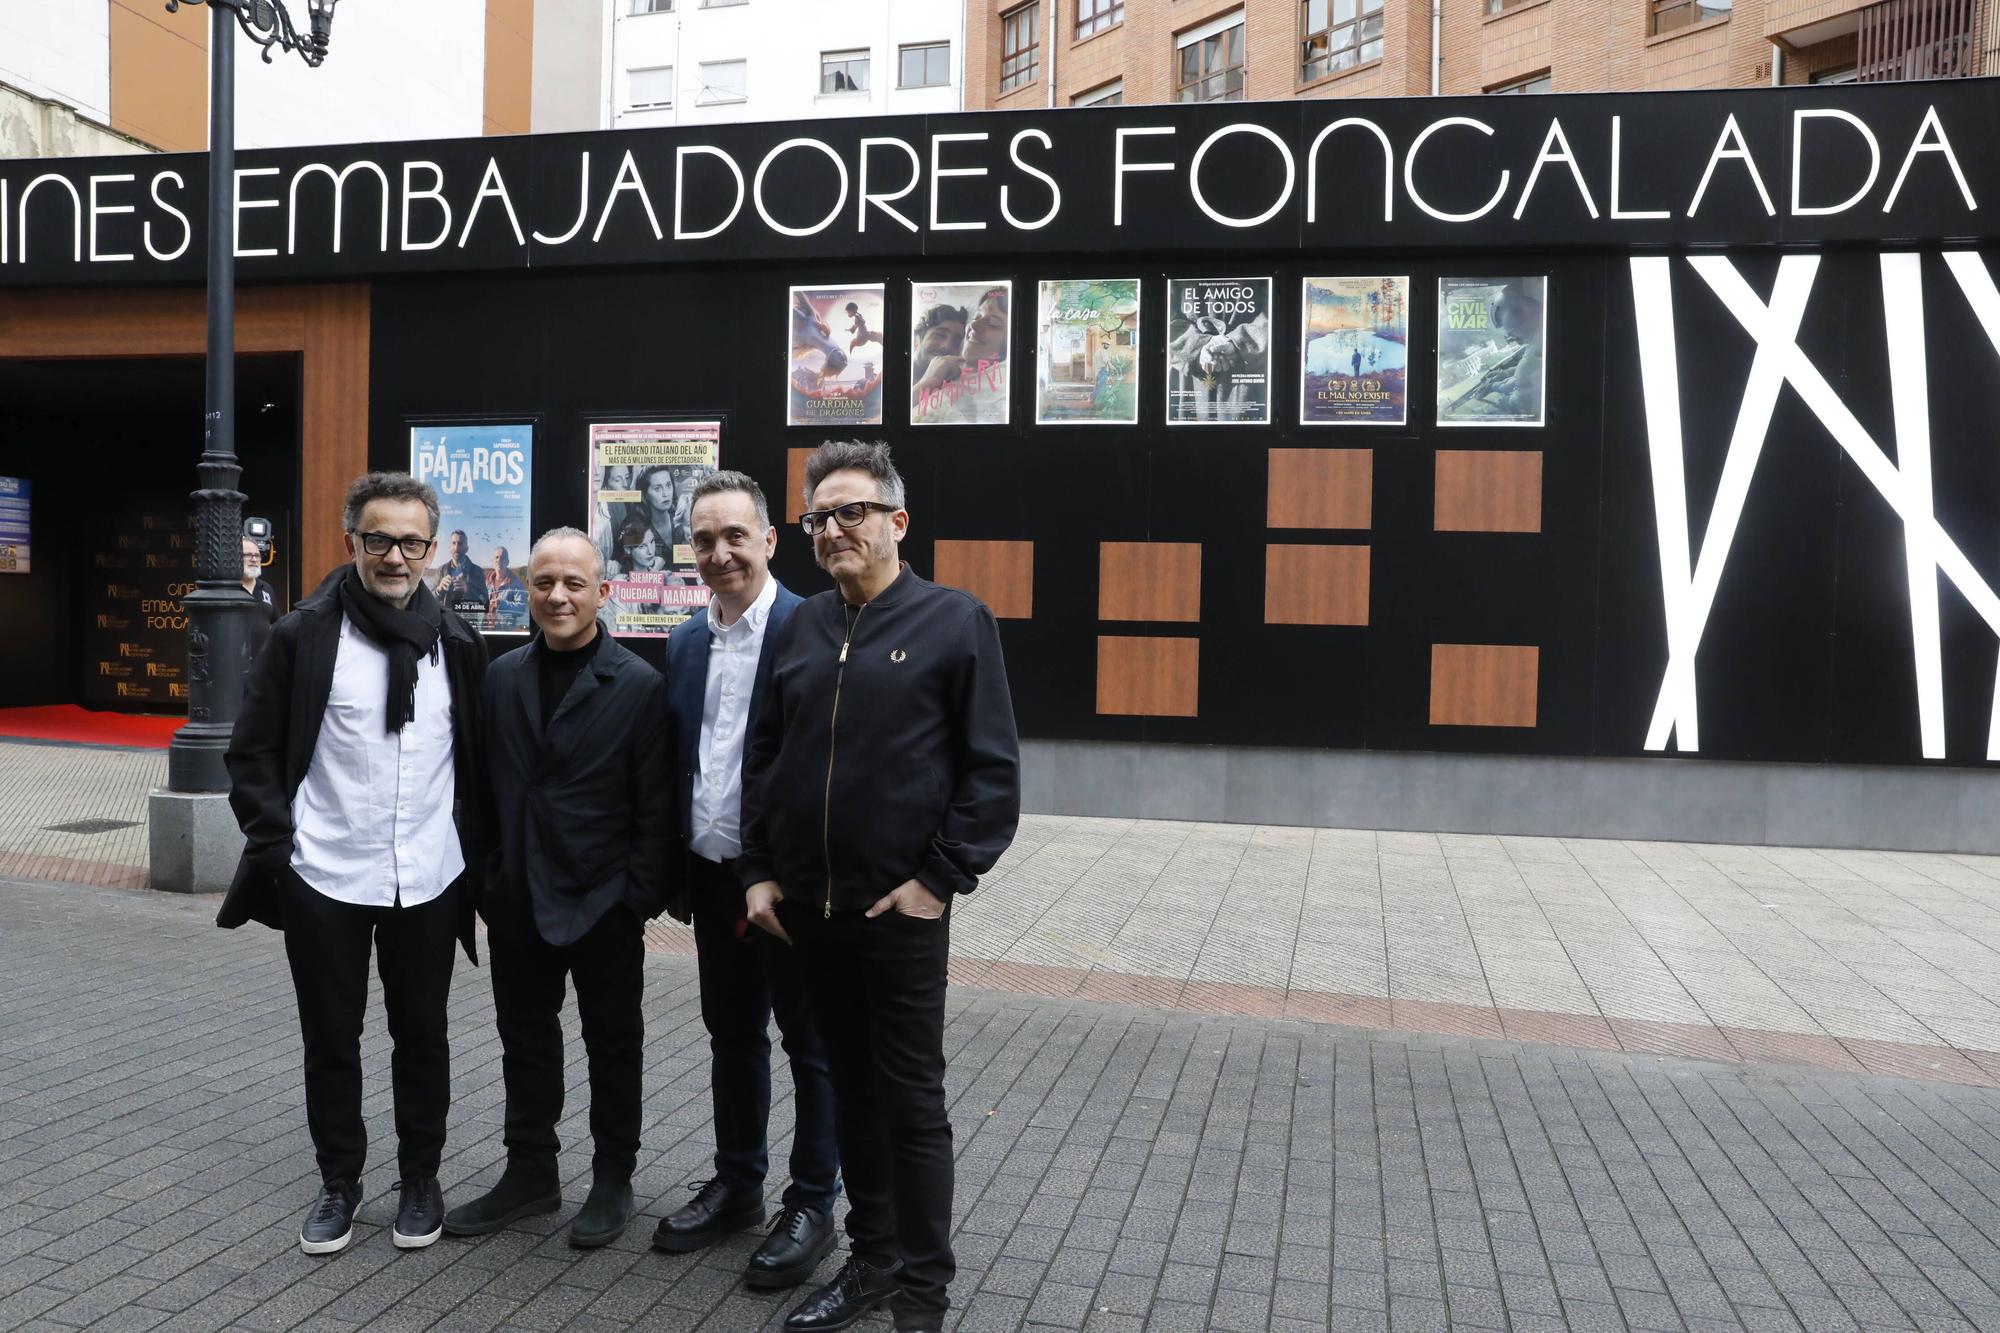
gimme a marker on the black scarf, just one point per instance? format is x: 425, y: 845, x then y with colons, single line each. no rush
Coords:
x: 402, y: 634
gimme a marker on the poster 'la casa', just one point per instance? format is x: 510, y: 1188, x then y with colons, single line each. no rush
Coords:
x: 1087, y: 356
x: 642, y: 480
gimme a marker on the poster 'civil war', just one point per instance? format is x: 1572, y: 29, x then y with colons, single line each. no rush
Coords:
x: 1087, y: 357
x: 1354, y: 346
x: 835, y: 375
x: 1490, y: 366
x: 482, y: 475
x: 958, y: 353
x: 1218, y: 351
x: 642, y: 480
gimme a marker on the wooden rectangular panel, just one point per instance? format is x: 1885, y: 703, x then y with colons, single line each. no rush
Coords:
x: 1149, y: 581
x: 1316, y: 585
x: 1000, y: 574
x: 795, y: 483
x: 333, y: 416
x: 1320, y: 488
x: 1488, y: 491
x: 1148, y: 677
x: 1484, y: 684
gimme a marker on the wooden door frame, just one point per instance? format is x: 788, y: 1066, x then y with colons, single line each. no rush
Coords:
x: 327, y: 324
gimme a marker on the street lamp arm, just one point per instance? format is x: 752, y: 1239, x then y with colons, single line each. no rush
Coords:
x: 266, y: 23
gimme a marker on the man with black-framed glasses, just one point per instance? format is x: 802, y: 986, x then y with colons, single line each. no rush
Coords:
x: 357, y: 747
x: 882, y: 779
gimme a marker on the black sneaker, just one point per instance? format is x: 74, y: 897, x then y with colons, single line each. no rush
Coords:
x: 330, y: 1225
x: 420, y: 1214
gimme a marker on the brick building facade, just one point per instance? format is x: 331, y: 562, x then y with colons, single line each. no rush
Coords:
x: 1076, y: 52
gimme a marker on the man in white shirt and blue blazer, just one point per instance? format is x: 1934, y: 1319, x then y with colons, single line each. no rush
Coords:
x: 718, y: 668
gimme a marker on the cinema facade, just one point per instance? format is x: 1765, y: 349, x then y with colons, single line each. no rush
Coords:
x: 1286, y: 518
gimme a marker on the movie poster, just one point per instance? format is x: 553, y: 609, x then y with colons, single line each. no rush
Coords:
x: 1218, y: 351
x: 16, y: 494
x: 642, y: 481
x: 1087, y: 356
x: 959, y: 333
x: 837, y: 356
x: 1354, y: 350
x: 483, y: 478
x: 1490, y: 369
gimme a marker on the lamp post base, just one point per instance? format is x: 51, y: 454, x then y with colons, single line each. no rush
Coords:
x: 192, y: 842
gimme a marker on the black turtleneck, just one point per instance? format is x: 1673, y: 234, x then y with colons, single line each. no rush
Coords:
x: 557, y: 671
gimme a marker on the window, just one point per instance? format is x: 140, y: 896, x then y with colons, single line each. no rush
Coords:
x: 1846, y: 74
x: 1534, y: 83
x: 1209, y: 62
x: 1094, y: 16
x: 1104, y: 94
x: 843, y: 71
x: 925, y: 66
x: 1671, y: 14
x: 1020, y: 50
x: 652, y: 6
x: 724, y: 81
x: 651, y: 89
x: 1339, y: 34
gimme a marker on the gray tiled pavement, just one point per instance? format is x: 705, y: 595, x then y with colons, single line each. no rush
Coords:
x: 1881, y: 958
x: 1119, y: 1168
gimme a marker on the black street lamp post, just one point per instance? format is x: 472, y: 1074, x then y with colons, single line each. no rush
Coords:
x: 217, y: 626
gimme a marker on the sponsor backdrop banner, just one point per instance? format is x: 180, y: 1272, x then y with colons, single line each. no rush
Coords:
x: 1490, y: 366
x: 1087, y: 356
x: 1218, y: 351
x: 642, y: 480
x: 1354, y: 351
x: 482, y: 474
x: 958, y: 353
x: 835, y: 377
x: 136, y: 637
x: 16, y: 497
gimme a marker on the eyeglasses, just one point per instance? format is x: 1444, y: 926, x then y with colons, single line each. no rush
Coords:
x: 378, y: 543
x: 850, y: 515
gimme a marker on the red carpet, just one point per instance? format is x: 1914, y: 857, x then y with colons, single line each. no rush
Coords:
x: 67, y: 722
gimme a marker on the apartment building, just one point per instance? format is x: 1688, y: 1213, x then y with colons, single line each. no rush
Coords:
x: 695, y: 62
x: 82, y: 77
x: 1103, y: 52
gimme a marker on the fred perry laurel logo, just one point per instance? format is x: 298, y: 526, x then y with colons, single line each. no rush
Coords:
x: 897, y: 654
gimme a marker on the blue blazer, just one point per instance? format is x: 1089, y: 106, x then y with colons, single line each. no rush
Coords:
x: 687, y: 684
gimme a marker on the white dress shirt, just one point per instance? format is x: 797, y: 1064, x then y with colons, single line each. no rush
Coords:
x: 733, y: 650
x: 372, y: 821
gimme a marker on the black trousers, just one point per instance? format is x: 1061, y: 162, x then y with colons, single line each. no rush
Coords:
x: 746, y: 976
x: 328, y: 943
x: 607, y: 965
x: 877, y: 989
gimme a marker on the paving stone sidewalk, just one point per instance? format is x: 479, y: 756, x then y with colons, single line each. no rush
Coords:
x: 1120, y: 1168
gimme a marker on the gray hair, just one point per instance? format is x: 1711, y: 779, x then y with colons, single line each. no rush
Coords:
x: 560, y: 534
x: 726, y: 482
x: 365, y: 490
x: 871, y: 457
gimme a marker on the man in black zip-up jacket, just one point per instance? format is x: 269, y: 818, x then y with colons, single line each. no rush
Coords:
x: 882, y: 781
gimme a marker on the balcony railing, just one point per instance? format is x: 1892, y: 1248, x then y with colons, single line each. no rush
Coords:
x: 1917, y: 39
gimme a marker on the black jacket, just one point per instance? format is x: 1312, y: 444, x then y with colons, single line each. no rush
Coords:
x: 272, y: 747
x: 576, y: 810
x: 898, y: 762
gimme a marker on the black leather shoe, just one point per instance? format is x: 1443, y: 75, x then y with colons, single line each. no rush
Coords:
x: 855, y: 1290
x: 801, y: 1238
x: 713, y: 1213
x: 604, y: 1214
x: 515, y: 1197
x: 419, y: 1214
x: 927, y: 1322
x: 330, y: 1225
